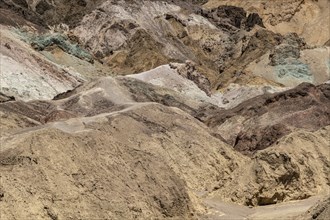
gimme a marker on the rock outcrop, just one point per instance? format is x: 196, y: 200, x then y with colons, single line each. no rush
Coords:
x: 304, y: 17
x: 304, y: 107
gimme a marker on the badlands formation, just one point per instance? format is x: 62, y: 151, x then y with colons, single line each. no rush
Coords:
x: 156, y: 109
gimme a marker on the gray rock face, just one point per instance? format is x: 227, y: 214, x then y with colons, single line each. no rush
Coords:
x: 289, y: 49
x: 47, y: 12
x: 232, y: 18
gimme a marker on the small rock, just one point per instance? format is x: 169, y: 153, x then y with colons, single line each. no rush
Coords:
x: 225, y: 101
x: 7, y: 46
x: 2, y: 194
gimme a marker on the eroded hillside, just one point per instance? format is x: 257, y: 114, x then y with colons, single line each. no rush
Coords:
x: 115, y: 109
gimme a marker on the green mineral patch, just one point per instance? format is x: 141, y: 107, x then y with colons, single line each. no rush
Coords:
x: 41, y: 42
x: 62, y: 41
x: 294, y: 69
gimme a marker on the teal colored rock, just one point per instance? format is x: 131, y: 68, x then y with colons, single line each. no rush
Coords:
x: 62, y: 41
x: 44, y: 41
x: 294, y: 69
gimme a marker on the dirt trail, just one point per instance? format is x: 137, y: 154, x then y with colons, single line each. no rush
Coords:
x: 219, y: 210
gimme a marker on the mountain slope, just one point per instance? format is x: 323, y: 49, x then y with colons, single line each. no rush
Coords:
x: 154, y: 109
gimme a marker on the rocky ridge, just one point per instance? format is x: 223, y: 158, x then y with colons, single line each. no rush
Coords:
x: 109, y: 106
